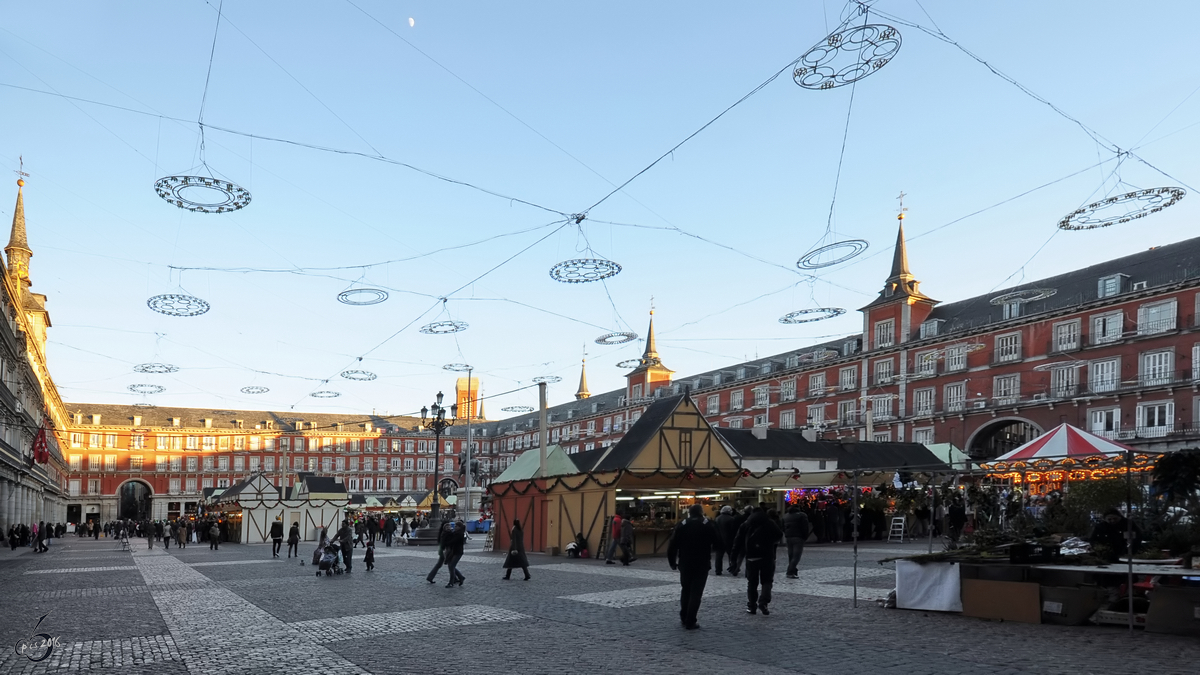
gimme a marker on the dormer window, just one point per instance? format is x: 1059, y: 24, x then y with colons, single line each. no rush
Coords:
x: 1012, y: 309
x: 78, y: 418
x: 367, y: 426
x: 1111, y: 285
x: 96, y: 420
x: 176, y: 421
x: 270, y: 424
x: 765, y: 368
x: 741, y: 373
x: 793, y: 361
x: 137, y: 421
x: 931, y: 328
x: 207, y: 423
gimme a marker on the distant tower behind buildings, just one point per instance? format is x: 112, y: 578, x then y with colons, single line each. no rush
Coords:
x: 466, y: 393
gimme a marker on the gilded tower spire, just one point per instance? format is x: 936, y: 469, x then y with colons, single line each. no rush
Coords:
x: 900, y: 271
x: 583, y: 388
x: 18, y: 245
x: 651, y: 353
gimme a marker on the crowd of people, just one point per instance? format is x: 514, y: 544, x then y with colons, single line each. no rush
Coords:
x: 36, y: 536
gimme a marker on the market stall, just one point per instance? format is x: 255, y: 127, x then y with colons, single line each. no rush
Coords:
x: 250, y: 506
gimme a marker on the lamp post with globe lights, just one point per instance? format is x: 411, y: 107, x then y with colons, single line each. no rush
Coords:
x: 434, y: 419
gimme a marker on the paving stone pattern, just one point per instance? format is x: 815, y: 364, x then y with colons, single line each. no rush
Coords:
x: 238, y: 610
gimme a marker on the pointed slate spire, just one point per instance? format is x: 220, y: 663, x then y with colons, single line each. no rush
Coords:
x: 583, y: 388
x: 900, y: 257
x: 17, y: 251
x: 651, y: 353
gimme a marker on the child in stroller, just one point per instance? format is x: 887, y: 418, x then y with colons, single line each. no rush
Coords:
x: 329, y: 562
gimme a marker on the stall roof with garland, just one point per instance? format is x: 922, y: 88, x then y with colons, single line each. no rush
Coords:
x: 527, y: 464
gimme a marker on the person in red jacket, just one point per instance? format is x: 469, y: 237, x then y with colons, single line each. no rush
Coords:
x: 614, y: 540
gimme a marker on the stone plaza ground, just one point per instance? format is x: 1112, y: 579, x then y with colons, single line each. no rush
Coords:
x: 237, y: 610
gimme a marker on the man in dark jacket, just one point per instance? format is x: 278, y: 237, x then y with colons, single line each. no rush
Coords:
x: 276, y: 536
x: 726, y: 530
x: 456, y: 538
x: 735, y: 561
x: 756, y: 541
x: 690, y: 552
x: 795, y: 531
x: 389, y: 531
x: 345, y: 538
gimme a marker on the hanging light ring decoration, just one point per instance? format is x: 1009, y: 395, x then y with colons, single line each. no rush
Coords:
x: 584, y: 270
x: 629, y: 363
x: 847, y: 56
x: 518, y: 409
x: 1043, y: 367
x: 548, y: 379
x: 178, y: 304
x: 817, y: 355
x: 359, y: 375
x: 360, y: 297
x: 155, y: 368
x: 146, y: 388
x: 143, y: 404
x: 457, y: 367
x: 812, y: 314
x: 325, y: 394
x: 812, y: 261
x: 255, y: 390
x: 1138, y: 204
x: 173, y: 188
x: 1024, y: 296
x: 444, y: 327
x: 619, y: 338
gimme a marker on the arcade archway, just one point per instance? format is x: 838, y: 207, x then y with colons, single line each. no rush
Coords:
x: 134, y: 499
x: 1001, y: 436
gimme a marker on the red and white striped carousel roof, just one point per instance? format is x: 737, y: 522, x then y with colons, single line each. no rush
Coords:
x: 1062, y: 442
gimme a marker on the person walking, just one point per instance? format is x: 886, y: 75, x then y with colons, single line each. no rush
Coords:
x: 740, y: 519
x: 795, y: 532
x: 614, y: 539
x: 148, y: 531
x: 454, y: 552
x: 294, y: 540
x: 276, y: 536
x: 346, y: 537
x: 214, y: 537
x: 369, y: 556
x: 627, y: 542
x: 168, y: 535
x: 690, y: 552
x: 389, y: 531
x: 756, y: 541
x: 516, y: 552
x: 443, y: 536
x: 96, y: 532
x: 726, y: 524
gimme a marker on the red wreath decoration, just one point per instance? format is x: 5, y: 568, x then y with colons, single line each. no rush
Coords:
x: 745, y: 473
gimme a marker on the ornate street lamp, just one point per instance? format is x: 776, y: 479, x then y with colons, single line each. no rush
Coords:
x: 434, y: 419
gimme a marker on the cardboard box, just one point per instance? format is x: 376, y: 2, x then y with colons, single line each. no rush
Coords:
x: 1070, y: 606
x: 1004, y: 600
x: 1175, y: 610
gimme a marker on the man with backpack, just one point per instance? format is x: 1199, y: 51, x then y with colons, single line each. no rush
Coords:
x: 756, y: 541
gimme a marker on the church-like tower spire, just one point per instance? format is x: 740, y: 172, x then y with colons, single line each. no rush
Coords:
x: 17, y: 251
x: 583, y: 392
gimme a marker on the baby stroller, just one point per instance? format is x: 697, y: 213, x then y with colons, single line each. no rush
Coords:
x: 329, y: 562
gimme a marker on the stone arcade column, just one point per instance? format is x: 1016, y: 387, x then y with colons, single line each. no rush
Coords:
x: 5, y: 510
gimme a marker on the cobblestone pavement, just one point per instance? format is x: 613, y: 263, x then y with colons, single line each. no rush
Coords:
x: 237, y: 610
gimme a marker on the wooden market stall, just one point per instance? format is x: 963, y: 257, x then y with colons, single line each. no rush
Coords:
x: 669, y: 459
x: 251, y: 505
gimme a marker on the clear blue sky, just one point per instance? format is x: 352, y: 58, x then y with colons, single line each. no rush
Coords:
x: 613, y: 85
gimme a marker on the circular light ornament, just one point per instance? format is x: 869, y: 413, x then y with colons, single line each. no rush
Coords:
x: 146, y: 388
x: 584, y: 270
x: 325, y: 394
x: 616, y: 338
x: 457, y: 367
x: 444, y: 327
x: 359, y: 375
x: 255, y: 390
x: 228, y: 196
x: 629, y: 363
x: 143, y: 404
x: 847, y: 249
x: 1022, y: 297
x: 155, y: 368
x: 359, y: 297
x: 817, y: 355
x: 1043, y: 367
x: 812, y: 314
x: 518, y: 409
x: 847, y: 56
x: 1131, y: 206
x: 548, y: 379
x: 178, y: 304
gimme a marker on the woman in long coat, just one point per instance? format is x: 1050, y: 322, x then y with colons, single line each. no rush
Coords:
x: 516, y: 552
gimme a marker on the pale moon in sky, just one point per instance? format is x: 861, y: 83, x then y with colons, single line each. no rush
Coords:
x: 411, y: 22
